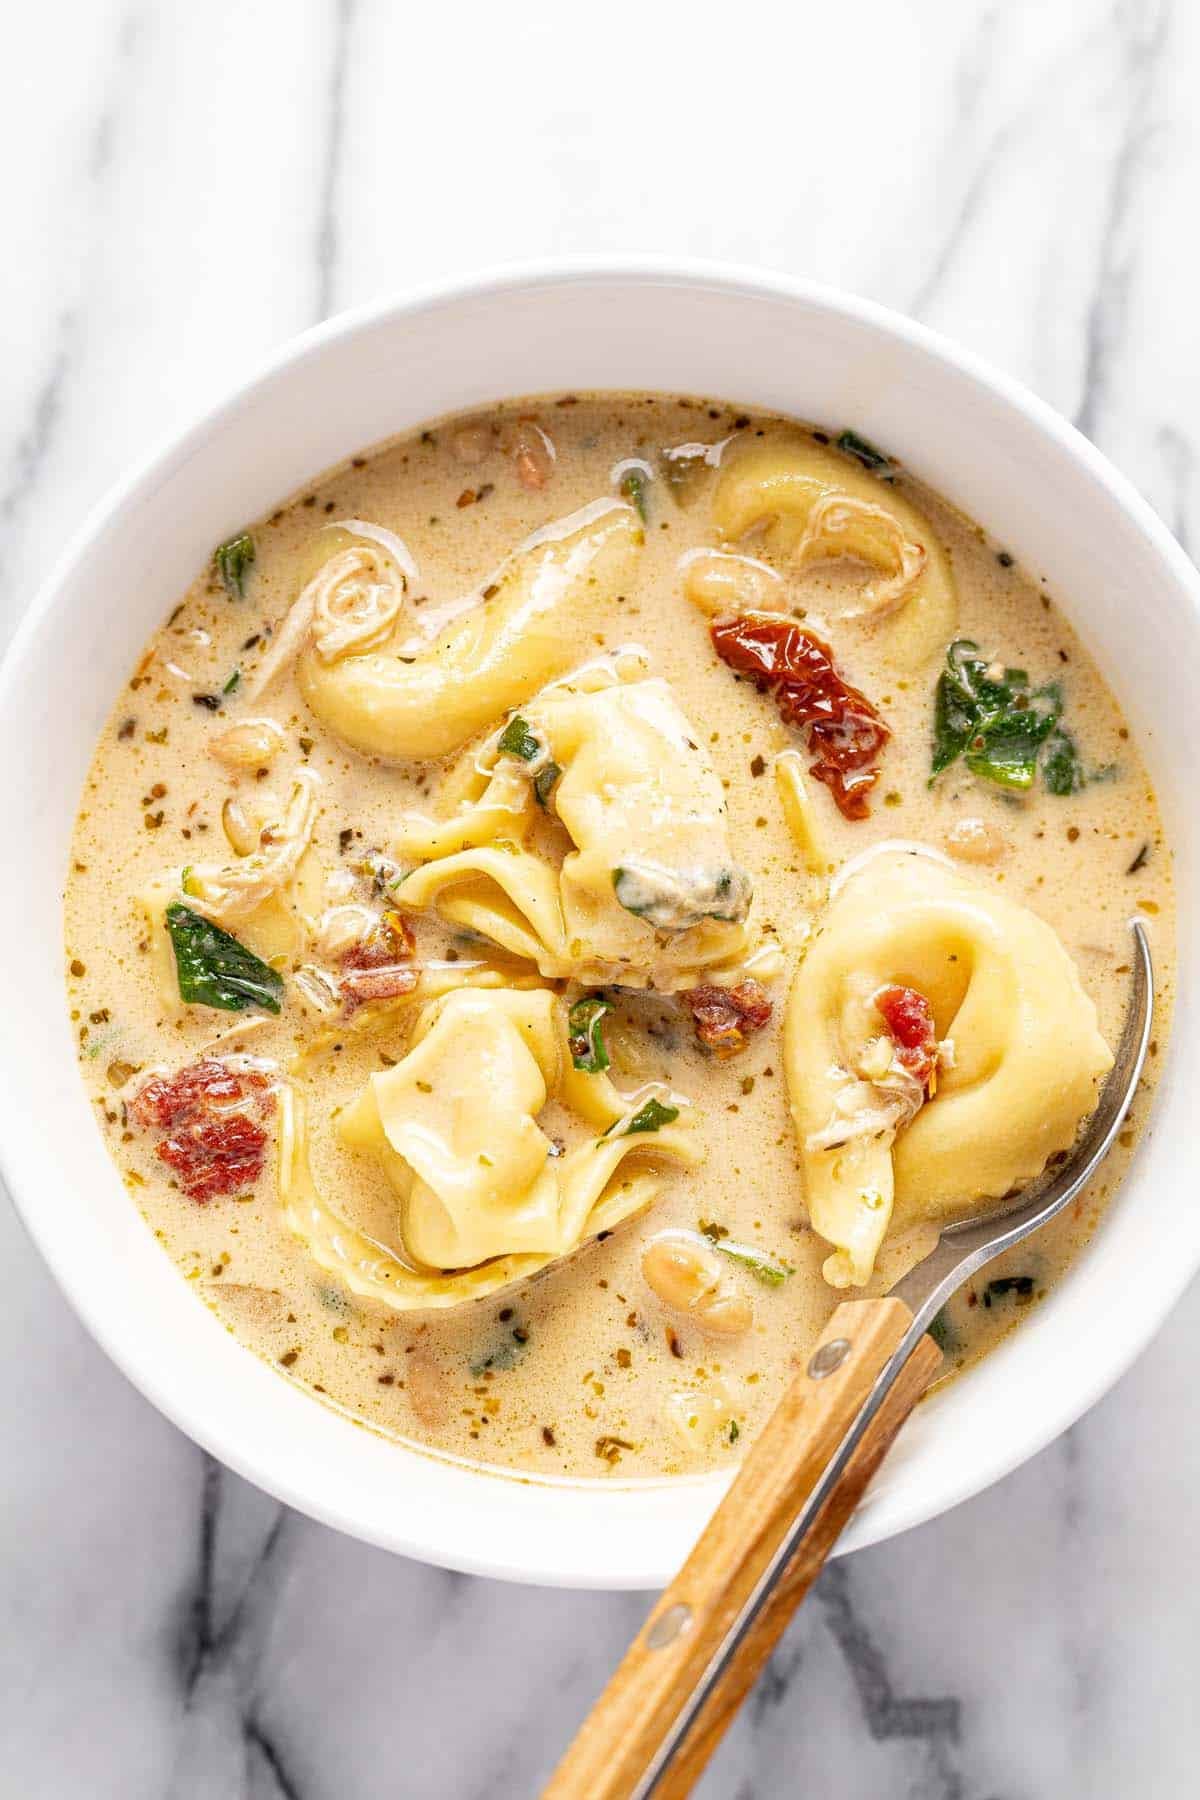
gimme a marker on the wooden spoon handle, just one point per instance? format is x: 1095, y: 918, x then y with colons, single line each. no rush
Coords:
x: 627, y: 1728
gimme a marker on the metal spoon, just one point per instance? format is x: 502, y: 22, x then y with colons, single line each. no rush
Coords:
x: 685, y: 1675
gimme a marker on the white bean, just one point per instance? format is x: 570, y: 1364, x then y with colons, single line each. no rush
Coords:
x: 471, y: 444
x: 975, y: 840
x: 719, y: 581
x: 689, y: 1279
x: 248, y: 745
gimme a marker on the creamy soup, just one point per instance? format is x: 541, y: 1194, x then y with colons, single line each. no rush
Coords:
x: 582, y: 889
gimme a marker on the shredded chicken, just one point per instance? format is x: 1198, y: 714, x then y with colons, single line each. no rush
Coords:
x: 349, y: 606
x: 839, y: 526
x: 318, y: 988
x: 891, y: 1077
x: 227, y: 893
x: 357, y: 599
x: 870, y: 1108
x: 341, y: 929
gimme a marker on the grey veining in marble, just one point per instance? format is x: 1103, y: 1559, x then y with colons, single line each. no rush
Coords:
x: 186, y: 186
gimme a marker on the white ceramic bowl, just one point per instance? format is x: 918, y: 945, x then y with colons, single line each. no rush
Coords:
x: 758, y: 340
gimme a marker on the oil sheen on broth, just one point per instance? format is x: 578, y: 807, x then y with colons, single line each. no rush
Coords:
x: 582, y: 1371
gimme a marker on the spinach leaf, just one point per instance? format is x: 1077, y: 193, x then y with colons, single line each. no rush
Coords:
x: 1008, y: 754
x: 866, y: 454
x: 588, y: 1049
x: 544, y: 783
x: 517, y: 740
x: 233, y: 561
x: 683, y: 468
x: 215, y: 970
x: 990, y: 716
x: 1019, y: 1285
x: 633, y: 486
x: 677, y: 899
x: 1062, y: 769
x: 505, y: 1355
x: 942, y: 1332
x: 767, y: 1269
x: 651, y: 1117
x: 955, y: 708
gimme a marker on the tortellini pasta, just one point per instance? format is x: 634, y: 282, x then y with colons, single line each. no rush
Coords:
x: 430, y: 702
x: 484, y: 1196
x: 814, y: 505
x: 635, y: 884
x: 1020, y: 1060
x: 352, y: 602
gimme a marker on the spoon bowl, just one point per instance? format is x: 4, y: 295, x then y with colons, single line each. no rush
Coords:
x: 685, y: 1676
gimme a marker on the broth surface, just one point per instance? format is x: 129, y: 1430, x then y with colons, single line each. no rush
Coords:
x: 580, y: 1372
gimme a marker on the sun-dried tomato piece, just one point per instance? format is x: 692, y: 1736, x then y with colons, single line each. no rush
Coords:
x: 726, y: 1016
x: 216, y: 1156
x: 212, y: 1112
x: 377, y: 969
x: 909, y: 1019
x: 203, y: 1087
x: 844, y: 731
x: 358, y: 986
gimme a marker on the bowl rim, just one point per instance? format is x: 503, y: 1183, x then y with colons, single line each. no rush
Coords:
x: 1133, y: 1328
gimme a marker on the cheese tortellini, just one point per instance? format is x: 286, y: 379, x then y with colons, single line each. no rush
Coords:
x: 485, y: 1196
x: 815, y: 505
x: 589, y: 837
x: 1017, y: 1069
x: 493, y: 656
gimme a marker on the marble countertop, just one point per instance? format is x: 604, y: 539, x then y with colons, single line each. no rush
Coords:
x: 185, y: 187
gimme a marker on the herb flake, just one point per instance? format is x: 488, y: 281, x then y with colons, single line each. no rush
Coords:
x: 851, y: 444
x: 1020, y: 1286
